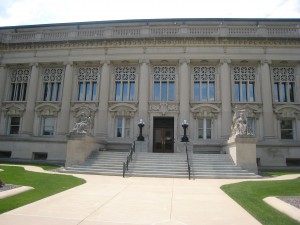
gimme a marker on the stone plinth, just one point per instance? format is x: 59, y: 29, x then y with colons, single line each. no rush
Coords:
x: 243, y: 152
x: 141, y: 146
x: 79, y: 147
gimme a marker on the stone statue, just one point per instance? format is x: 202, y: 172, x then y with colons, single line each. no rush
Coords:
x: 83, y: 124
x: 240, y: 124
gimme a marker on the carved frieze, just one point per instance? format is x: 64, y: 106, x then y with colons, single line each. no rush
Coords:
x: 77, y: 107
x: 287, y: 111
x: 253, y: 110
x: 47, y: 109
x: 164, y: 107
x: 205, y: 111
x: 122, y: 109
x: 13, y: 109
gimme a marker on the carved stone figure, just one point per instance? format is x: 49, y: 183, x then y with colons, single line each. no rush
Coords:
x: 83, y: 124
x: 239, y: 124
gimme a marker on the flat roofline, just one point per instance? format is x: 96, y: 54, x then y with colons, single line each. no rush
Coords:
x: 156, y: 20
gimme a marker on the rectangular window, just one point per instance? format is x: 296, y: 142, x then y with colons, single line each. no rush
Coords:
x: 205, y: 128
x: 122, y: 127
x: 48, y: 126
x: 204, y: 91
x: 251, y: 125
x: 211, y: 91
x: 125, y: 77
x: 164, y: 83
x: 196, y: 91
x: 18, y: 84
x: 284, y: 84
x: 237, y: 91
x: 52, y: 78
x: 87, y: 83
x: 286, y: 129
x: 14, y: 126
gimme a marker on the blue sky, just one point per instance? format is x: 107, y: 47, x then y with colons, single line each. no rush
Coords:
x: 27, y: 12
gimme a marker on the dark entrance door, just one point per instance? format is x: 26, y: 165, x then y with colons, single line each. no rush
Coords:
x: 163, y: 135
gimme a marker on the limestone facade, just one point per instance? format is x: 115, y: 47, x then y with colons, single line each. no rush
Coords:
x: 161, y: 71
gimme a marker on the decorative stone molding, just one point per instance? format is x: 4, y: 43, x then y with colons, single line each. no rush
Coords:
x: 287, y: 111
x: 47, y: 109
x: 164, y: 107
x: 222, y: 61
x: 13, y: 109
x: 122, y: 109
x: 84, y: 121
x: 253, y: 110
x: 77, y: 107
x: 205, y: 111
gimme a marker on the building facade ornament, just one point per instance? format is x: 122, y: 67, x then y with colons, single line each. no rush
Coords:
x: 205, y: 111
x: 240, y: 124
x: 84, y: 121
x: 252, y: 110
x: 47, y: 109
x: 13, y: 109
x: 122, y: 109
x: 164, y: 107
x: 287, y: 111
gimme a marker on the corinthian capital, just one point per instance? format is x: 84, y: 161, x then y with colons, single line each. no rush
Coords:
x: 222, y: 61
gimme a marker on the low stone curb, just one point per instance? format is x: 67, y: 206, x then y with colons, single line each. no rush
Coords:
x: 15, y: 191
x: 283, y: 207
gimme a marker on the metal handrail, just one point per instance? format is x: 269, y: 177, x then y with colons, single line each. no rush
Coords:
x: 128, y: 158
x: 188, y: 161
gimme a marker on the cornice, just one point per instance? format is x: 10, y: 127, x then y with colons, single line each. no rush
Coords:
x: 155, y: 42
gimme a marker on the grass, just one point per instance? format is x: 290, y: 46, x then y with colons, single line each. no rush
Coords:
x: 250, y: 195
x: 279, y: 173
x: 44, y: 185
x: 44, y: 166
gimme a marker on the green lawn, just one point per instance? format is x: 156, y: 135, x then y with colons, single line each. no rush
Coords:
x: 44, y: 185
x: 250, y: 195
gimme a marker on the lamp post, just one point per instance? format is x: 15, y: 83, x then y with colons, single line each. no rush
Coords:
x: 184, y: 126
x: 141, y: 124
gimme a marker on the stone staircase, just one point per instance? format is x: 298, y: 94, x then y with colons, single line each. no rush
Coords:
x: 161, y: 165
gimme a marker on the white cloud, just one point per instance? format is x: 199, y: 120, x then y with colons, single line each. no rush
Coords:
x: 20, y: 12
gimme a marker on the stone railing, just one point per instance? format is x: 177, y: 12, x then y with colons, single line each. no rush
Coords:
x: 128, y: 32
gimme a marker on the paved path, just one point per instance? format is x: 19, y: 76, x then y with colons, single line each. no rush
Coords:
x: 106, y: 200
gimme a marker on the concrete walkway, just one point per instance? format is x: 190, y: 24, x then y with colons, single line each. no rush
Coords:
x: 109, y: 200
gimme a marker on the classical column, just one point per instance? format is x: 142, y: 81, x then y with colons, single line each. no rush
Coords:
x: 226, y: 116
x: 267, y: 99
x: 28, y: 118
x: 101, y: 122
x: 64, y: 116
x: 143, y: 96
x: 184, y: 85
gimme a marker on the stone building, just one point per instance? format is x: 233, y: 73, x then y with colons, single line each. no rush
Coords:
x: 161, y: 71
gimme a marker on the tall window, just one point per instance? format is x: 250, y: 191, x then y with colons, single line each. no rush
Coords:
x: 18, y: 84
x: 284, y: 84
x: 286, y: 129
x: 205, y: 128
x: 14, y: 125
x: 52, y: 78
x: 244, y: 83
x: 164, y: 83
x: 204, y: 83
x: 125, y: 83
x: 48, y: 124
x: 87, y: 83
x: 122, y: 127
x: 251, y: 125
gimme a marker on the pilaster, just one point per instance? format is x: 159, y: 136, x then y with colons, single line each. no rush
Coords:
x: 28, y: 118
x: 226, y: 116
x: 184, y: 82
x: 267, y: 99
x: 2, y: 95
x: 64, y: 118
x: 101, y: 123
x: 144, y: 94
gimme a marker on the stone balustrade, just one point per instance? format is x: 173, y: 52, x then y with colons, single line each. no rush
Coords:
x: 150, y: 31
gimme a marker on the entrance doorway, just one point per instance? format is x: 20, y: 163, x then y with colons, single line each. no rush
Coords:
x: 163, y: 135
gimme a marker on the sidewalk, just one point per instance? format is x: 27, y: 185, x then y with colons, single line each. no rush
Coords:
x: 147, y: 201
